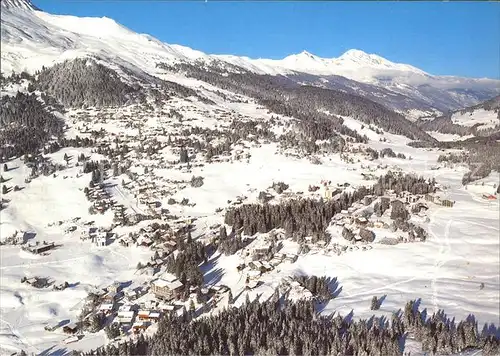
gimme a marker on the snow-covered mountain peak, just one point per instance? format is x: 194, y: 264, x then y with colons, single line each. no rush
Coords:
x: 18, y: 4
x: 363, y: 59
x: 360, y: 57
x: 301, y: 57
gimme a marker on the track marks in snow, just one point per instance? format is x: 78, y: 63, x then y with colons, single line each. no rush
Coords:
x: 443, y: 257
x: 42, y: 263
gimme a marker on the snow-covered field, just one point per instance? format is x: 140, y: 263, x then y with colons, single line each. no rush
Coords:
x: 486, y: 118
x: 448, y: 137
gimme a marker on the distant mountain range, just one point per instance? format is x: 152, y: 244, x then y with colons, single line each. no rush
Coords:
x: 31, y: 38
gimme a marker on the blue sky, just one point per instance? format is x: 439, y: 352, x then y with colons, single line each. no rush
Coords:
x: 446, y: 38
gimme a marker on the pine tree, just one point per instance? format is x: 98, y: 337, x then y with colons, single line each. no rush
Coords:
x: 375, y: 303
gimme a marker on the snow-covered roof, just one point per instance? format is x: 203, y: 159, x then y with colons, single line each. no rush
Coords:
x: 166, y: 307
x: 253, y: 273
x: 106, y: 306
x: 168, y: 277
x: 125, y: 308
x: 162, y: 283
x: 126, y: 314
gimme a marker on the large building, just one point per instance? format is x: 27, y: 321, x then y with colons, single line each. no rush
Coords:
x: 167, y: 287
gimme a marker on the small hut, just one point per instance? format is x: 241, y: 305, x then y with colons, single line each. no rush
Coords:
x: 367, y: 235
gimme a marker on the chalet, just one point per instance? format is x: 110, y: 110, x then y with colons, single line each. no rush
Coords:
x: 31, y: 281
x: 106, y: 308
x: 147, y: 315
x: 256, y: 265
x: 253, y: 274
x: 131, y: 294
x: 367, y: 235
x: 252, y: 285
x: 100, y: 239
x: 170, y: 245
x: 126, y: 242
x: 40, y: 248
x: 145, y: 241
x: 52, y: 326
x: 266, y: 266
x: 71, y: 328
x: 447, y: 203
x: 261, y: 251
x: 109, y: 297
x: 489, y: 197
x: 139, y: 326
x: 154, y: 316
x: 125, y: 317
x: 275, y: 261
x: 71, y: 339
x: 361, y: 221
x: 429, y: 197
x: 280, y: 256
x: 166, y: 289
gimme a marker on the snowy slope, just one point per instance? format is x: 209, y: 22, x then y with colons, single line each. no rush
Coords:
x: 54, y: 38
x: 484, y: 118
x: 479, y: 120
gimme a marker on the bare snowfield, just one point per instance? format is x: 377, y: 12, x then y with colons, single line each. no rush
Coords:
x: 486, y: 118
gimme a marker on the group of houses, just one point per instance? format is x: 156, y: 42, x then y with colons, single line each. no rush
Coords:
x: 100, y: 198
x: 262, y: 260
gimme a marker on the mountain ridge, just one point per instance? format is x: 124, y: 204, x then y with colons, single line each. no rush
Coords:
x: 50, y: 39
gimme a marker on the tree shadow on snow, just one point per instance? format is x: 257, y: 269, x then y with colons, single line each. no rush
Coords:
x: 416, y: 305
x: 334, y: 287
x: 211, y: 274
x: 402, y: 342
x: 214, y: 276
x: 381, y: 300
x: 52, y: 351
